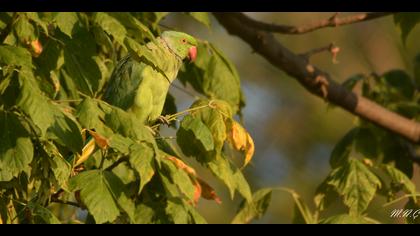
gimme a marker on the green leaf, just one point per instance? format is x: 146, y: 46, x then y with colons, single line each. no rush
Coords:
x: 325, y: 195
x: 66, y: 21
x: 214, y: 118
x: 139, y: 30
x: 142, y: 160
x: 180, y: 212
x: 89, y: 114
x: 411, y: 207
x: 202, y: 17
x: 399, y: 83
x: 417, y: 70
x: 352, y: 81
x: 79, y: 60
x: 214, y: 75
x: 397, y: 151
x: 231, y: 176
x: 16, y: 150
x: 159, y: 16
x: 346, y: 219
x: 180, y: 178
x: 177, y: 212
x: 406, y: 21
x: 60, y: 167
x: 356, y: 183
x: 111, y: 25
x: 42, y: 215
x: 255, y: 209
x: 97, y: 194
x: 302, y: 214
x: 24, y: 30
x: 10, y: 55
x: 342, y: 149
x: 51, y: 120
x: 366, y: 143
x: 126, y: 124
x: 35, y: 18
x: 193, y: 137
x: 399, y: 178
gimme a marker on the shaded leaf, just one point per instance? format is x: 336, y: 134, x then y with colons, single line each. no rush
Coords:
x: 356, y: 183
x: 352, y: 81
x: 342, y: 149
x: 399, y: 178
x: 193, y: 137
x: 111, y: 25
x: 142, y: 160
x: 97, y: 194
x: 214, y: 75
x: 231, y: 176
x: 11, y: 55
x: 45, y: 216
x: 180, y: 178
x: 66, y: 21
x: 400, y: 83
x: 406, y: 21
x: 254, y: 209
x: 16, y: 150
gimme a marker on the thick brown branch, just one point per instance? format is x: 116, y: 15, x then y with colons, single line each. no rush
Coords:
x: 330, y: 22
x: 315, y: 80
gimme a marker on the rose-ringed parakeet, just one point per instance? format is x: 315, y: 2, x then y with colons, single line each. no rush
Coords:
x: 141, y: 88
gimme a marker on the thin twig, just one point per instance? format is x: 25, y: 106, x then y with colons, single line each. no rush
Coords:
x: 332, y: 21
x: 115, y: 164
x: 66, y: 202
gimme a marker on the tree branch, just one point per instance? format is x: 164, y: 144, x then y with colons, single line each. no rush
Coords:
x: 333, y: 21
x: 315, y: 80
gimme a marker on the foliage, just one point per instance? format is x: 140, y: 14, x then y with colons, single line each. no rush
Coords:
x: 62, y: 145
x: 63, y: 149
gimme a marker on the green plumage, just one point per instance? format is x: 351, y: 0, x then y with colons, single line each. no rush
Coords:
x: 138, y: 87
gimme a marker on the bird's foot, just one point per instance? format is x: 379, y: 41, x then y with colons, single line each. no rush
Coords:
x: 164, y: 120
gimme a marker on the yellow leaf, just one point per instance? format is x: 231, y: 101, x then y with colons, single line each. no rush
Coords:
x: 86, y: 152
x: 238, y: 136
x: 242, y: 141
x: 249, y: 150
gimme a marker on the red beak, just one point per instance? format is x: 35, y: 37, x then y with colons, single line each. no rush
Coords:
x: 192, y: 53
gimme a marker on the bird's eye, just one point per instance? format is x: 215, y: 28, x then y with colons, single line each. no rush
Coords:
x: 183, y: 40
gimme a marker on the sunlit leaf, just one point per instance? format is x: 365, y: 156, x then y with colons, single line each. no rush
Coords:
x: 202, y: 17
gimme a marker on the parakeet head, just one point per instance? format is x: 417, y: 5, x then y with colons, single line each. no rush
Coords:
x: 182, y: 44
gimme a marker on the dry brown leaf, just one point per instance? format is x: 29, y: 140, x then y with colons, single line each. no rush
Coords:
x: 181, y: 165
x: 197, y: 192
x: 207, y: 192
x: 101, y: 141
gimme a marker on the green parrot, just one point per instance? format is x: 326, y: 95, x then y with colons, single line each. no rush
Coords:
x: 140, y: 88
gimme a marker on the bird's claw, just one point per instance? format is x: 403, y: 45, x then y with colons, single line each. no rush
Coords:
x: 164, y: 120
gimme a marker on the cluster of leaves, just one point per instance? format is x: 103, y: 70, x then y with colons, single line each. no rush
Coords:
x: 64, y: 149
x: 369, y: 161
